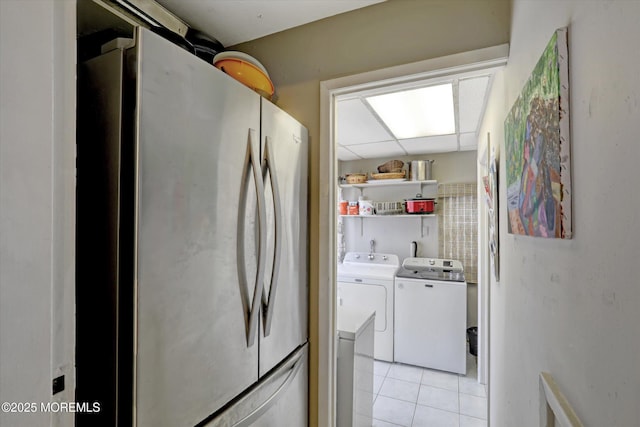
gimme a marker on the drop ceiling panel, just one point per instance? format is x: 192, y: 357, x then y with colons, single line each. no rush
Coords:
x: 430, y: 144
x: 471, y: 93
x: 345, y: 154
x: 357, y: 125
x: 378, y: 149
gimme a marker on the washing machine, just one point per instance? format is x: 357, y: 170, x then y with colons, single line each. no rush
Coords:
x: 365, y: 280
x: 431, y: 314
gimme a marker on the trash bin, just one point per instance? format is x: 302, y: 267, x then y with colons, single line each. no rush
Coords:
x: 472, y: 334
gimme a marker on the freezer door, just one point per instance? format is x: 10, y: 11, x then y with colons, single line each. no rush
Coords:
x: 196, y: 271
x: 284, y: 302
x: 279, y: 399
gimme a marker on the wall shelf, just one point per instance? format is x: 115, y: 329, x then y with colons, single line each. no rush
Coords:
x: 382, y: 183
x: 403, y: 216
x: 389, y: 216
x: 392, y: 183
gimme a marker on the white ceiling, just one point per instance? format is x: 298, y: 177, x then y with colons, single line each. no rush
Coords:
x: 236, y: 21
x: 361, y: 134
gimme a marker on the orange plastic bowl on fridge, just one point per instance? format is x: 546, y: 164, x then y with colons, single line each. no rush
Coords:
x: 247, y: 74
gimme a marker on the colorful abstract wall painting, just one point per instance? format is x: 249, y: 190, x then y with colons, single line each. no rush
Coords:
x: 537, y: 145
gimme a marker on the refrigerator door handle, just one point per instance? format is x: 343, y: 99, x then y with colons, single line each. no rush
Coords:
x: 235, y: 415
x: 264, y: 407
x: 268, y: 297
x: 251, y: 311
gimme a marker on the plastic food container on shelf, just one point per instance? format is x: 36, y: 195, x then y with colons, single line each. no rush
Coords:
x: 344, y: 207
x: 353, y: 208
x: 365, y: 207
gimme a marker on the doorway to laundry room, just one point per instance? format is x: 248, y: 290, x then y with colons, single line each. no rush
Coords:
x: 403, y: 201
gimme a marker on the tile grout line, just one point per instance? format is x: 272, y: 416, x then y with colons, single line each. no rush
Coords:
x: 420, y: 384
x: 413, y: 416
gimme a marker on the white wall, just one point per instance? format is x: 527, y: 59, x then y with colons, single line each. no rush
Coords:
x: 37, y: 205
x: 572, y: 307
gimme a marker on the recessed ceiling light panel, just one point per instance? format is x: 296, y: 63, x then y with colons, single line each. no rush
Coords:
x: 419, y: 112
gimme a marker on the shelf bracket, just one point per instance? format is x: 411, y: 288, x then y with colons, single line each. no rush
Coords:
x: 422, y: 234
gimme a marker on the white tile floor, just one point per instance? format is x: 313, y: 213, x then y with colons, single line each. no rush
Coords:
x: 410, y: 396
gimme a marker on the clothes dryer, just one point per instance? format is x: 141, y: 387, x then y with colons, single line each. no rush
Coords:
x: 365, y: 281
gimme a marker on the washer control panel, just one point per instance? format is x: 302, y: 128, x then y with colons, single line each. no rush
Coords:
x: 433, y: 264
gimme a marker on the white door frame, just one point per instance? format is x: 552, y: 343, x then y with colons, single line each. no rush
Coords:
x: 495, y: 56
